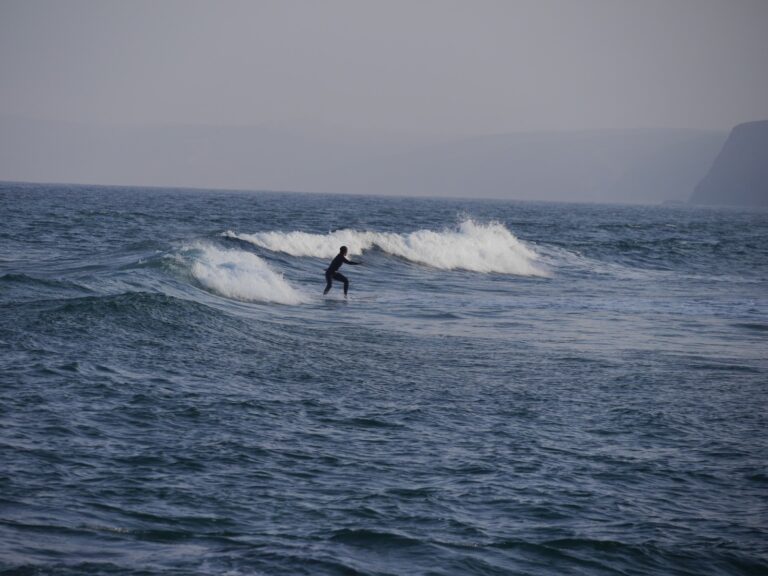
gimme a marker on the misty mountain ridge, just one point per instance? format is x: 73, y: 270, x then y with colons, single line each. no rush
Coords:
x: 739, y: 174
x: 598, y: 166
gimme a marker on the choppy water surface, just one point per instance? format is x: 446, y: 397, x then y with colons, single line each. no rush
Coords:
x: 512, y: 388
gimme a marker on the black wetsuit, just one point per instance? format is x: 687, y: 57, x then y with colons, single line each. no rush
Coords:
x: 332, y: 273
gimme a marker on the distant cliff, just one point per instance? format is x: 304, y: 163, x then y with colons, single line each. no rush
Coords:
x: 739, y: 174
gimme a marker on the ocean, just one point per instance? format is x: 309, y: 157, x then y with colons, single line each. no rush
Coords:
x: 510, y: 388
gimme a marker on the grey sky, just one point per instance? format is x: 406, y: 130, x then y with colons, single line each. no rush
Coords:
x: 426, y: 66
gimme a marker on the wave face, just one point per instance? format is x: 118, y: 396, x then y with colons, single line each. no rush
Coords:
x: 238, y: 275
x: 471, y: 245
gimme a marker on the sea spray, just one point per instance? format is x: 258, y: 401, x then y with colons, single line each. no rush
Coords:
x: 473, y: 246
x: 239, y: 275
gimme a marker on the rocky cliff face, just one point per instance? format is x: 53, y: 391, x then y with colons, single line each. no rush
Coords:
x: 739, y: 174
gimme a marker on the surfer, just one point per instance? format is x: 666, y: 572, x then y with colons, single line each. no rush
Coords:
x: 332, y: 272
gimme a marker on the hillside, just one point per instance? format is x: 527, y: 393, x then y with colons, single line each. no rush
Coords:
x: 739, y: 174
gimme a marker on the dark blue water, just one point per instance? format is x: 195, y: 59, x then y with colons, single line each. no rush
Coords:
x: 511, y: 388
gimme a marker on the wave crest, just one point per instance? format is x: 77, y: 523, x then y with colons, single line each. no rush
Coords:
x: 239, y: 275
x: 472, y: 246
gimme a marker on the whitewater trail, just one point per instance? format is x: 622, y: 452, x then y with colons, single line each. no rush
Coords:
x: 471, y: 246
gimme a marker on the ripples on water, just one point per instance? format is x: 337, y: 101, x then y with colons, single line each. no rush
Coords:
x: 511, y: 389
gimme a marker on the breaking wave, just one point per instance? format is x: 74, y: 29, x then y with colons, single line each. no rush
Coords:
x: 472, y: 246
x: 238, y: 275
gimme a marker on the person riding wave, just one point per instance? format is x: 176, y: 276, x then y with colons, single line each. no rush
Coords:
x: 332, y: 272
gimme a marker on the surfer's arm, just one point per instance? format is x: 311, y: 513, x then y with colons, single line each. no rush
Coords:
x: 352, y: 263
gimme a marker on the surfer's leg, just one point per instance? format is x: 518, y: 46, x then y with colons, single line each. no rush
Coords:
x: 328, y: 283
x: 341, y: 278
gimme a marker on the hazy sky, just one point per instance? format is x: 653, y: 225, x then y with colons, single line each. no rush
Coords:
x: 424, y: 66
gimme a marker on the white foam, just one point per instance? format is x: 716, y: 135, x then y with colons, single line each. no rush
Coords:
x: 305, y: 244
x: 239, y: 275
x: 470, y: 246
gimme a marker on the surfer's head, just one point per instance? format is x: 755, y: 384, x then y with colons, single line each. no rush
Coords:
x: 343, y: 250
